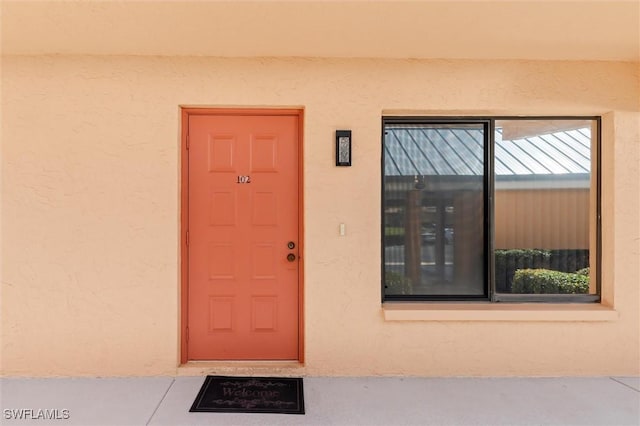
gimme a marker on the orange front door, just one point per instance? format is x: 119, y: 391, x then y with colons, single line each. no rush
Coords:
x: 243, y: 243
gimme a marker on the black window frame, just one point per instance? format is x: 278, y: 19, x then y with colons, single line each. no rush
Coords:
x: 490, y: 295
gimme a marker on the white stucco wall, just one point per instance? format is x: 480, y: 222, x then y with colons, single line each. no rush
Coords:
x: 90, y: 210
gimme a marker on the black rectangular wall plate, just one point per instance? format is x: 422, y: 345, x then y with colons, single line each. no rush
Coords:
x: 343, y: 147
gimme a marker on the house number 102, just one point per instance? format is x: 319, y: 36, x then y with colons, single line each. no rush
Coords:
x: 244, y: 179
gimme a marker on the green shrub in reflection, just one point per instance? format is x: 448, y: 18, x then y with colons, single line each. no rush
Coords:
x: 396, y: 284
x: 545, y: 281
x: 508, y: 261
x: 583, y: 271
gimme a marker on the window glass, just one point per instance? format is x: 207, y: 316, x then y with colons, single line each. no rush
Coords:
x: 544, y: 221
x: 434, y: 210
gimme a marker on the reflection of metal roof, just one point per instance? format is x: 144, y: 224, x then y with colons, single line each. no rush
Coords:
x: 419, y: 150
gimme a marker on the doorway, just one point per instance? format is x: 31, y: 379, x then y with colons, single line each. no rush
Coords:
x: 242, y: 235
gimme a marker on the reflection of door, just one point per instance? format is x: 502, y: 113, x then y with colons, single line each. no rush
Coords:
x: 243, y: 240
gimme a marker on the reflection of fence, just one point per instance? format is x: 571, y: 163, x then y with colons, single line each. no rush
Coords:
x: 508, y: 261
x: 553, y: 218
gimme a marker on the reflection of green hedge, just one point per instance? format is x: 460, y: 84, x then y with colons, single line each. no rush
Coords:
x: 396, y: 283
x: 568, y: 260
x: 583, y: 271
x: 393, y: 230
x: 540, y: 281
x: 393, y: 236
x: 508, y: 261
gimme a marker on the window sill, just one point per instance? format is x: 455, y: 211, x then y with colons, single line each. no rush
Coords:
x: 497, y: 312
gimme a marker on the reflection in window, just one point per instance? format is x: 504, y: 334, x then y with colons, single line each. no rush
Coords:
x: 543, y: 205
x: 523, y: 224
x: 434, y: 209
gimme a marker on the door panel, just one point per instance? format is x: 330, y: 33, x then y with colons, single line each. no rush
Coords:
x: 243, y: 211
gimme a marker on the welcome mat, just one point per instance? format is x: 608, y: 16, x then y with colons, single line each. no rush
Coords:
x: 224, y: 394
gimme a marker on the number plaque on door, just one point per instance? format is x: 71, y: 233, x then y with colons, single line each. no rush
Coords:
x: 244, y: 179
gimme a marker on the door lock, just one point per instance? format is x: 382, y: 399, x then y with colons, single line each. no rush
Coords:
x: 291, y: 257
x: 291, y: 245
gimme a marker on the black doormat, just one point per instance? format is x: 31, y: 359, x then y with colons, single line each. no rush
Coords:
x: 224, y: 394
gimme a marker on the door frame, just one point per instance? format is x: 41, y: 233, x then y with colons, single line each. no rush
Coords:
x: 186, y: 112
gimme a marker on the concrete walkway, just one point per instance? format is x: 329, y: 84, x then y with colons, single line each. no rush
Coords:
x: 334, y: 401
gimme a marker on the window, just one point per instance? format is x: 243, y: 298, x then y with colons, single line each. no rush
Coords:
x: 501, y: 209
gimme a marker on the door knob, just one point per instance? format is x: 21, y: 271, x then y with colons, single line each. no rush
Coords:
x: 291, y: 257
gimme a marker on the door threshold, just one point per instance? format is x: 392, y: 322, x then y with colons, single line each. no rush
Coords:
x: 237, y: 368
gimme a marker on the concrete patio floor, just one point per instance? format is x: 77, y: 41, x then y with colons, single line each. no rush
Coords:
x: 336, y: 401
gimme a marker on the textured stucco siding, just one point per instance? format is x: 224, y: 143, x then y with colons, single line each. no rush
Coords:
x: 91, y: 211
